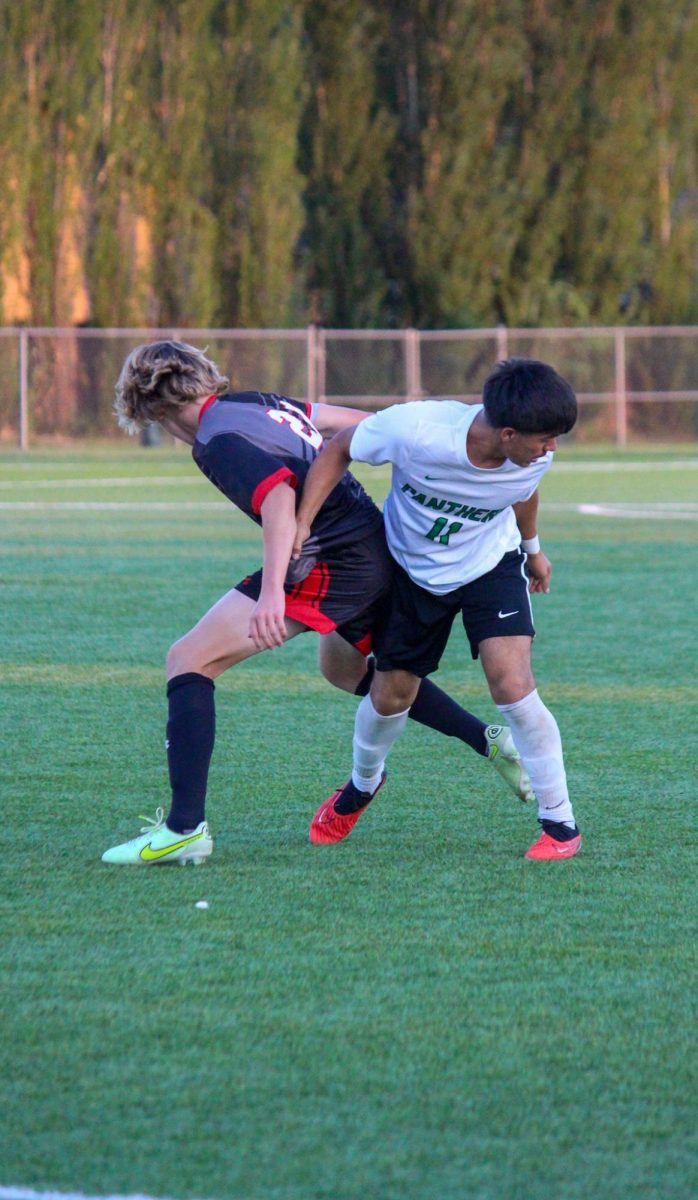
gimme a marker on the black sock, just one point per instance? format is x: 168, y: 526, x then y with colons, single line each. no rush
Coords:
x: 352, y: 801
x: 558, y: 830
x: 364, y: 685
x: 439, y: 711
x: 191, y: 730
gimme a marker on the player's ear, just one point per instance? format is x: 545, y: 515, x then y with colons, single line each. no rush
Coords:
x: 506, y: 433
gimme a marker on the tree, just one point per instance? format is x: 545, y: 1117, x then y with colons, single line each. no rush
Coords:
x: 345, y: 139
x: 542, y: 153
x: 428, y: 162
x: 256, y: 187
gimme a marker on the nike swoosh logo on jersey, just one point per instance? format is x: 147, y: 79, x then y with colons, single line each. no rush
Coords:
x: 501, y: 615
x: 436, y: 478
x: 148, y: 855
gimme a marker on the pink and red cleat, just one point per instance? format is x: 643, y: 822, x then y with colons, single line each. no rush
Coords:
x: 328, y: 825
x: 547, y: 847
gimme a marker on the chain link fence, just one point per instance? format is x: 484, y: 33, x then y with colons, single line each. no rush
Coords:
x: 633, y: 383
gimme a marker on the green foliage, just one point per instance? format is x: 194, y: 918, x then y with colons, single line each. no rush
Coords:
x: 359, y: 164
x: 346, y: 138
x: 537, y: 140
x: 256, y: 187
x: 47, y: 61
x: 633, y: 209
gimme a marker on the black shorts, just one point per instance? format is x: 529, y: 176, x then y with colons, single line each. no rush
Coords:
x: 346, y: 591
x: 414, y: 634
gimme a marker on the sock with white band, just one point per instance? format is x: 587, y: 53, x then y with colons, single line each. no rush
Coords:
x: 537, y: 739
x: 373, y: 738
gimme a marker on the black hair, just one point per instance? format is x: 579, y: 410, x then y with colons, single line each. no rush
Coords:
x: 530, y: 397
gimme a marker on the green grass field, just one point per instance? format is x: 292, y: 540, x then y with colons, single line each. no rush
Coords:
x: 416, y: 1014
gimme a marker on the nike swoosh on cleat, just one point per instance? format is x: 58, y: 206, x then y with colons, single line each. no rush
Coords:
x: 501, y: 615
x: 148, y: 855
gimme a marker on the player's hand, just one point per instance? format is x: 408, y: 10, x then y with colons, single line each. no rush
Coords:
x: 302, y: 533
x: 267, y: 622
x: 539, y: 570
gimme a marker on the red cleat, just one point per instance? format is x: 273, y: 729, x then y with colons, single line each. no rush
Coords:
x: 550, y: 847
x: 328, y: 825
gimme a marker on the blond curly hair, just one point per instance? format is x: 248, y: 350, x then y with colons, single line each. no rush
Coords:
x: 159, y: 378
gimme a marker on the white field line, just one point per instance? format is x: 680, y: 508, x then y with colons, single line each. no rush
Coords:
x: 120, y: 481
x: 21, y: 1193
x: 178, y: 480
x: 678, y: 464
x: 639, y: 512
x: 114, y: 506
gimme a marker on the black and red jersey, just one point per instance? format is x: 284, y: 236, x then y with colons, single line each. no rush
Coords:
x: 248, y: 442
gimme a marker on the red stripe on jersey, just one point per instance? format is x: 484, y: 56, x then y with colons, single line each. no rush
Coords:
x: 206, y: 404
x: 365, y: 645
x: 323, y: 582
x: 303, y: 603
x: 265, y: 486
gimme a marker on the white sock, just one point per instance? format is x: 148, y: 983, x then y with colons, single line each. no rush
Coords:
x: 373, y: 737
x: 537, y: 739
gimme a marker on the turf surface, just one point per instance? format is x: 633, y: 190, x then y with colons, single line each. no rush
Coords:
x: 416, y: 1014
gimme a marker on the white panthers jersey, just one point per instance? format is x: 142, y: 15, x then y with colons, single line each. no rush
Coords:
x: 447, y: 521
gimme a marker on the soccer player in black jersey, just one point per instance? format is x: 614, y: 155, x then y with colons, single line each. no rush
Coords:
x: 257, y: 449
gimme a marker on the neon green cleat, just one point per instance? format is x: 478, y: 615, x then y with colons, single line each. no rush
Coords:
x: 158, y: 845
x: 506, y: 759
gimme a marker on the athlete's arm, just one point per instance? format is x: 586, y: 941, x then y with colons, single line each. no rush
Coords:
x: 324, y: 474
x: 332, y: 418
x: 538, y: 565
x: 267, y: 624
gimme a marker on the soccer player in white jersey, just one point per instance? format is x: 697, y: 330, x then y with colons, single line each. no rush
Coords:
x: 461, y: 523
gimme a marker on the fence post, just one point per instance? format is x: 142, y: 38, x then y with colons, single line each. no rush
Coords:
x: 320, y: 365
x: 502, y: 343
x: 311, y: 364
x: 621, y: 389
x: 23, y: 389
x: 413, y: 366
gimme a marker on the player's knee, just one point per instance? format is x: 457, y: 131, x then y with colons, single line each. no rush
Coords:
x: 393, y: 692
x: 180, y: 659
x: 508, y: 686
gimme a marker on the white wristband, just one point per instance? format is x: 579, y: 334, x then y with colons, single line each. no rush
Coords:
x: 531, y: 545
